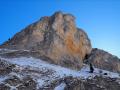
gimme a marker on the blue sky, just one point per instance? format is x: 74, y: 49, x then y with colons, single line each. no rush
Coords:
x: 99, y: 18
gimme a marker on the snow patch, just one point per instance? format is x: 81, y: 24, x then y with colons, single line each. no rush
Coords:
x: 3, y: 51
x: 3, y: 78
x: 60, y: 87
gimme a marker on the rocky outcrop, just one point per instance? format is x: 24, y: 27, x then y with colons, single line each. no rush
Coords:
x: 5, y: 67
x: 55, y: 37
x: 71, y: 83
x: 16, y: 83
x: 104, y: 60
x: 97, y: 83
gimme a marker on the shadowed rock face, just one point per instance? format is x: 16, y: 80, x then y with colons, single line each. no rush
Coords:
x: 104, y: 60
x: 55, y: 37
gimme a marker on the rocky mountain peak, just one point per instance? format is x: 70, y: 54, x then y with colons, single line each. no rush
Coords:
x: 56, y: 21
x: 55, y: 37
x: 27, y: 61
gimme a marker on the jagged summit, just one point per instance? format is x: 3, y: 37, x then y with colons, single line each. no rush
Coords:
x: 55, y: 37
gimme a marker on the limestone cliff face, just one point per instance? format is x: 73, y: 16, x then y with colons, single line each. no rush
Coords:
x: 55, y: 37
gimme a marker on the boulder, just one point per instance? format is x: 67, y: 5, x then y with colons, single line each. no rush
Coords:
x: 103, y: 60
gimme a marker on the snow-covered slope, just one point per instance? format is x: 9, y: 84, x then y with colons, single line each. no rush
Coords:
x: 49, y: 71
x: 58, y: 70
x: 43, y: 73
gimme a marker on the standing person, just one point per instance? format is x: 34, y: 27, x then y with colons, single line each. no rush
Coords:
x: 91, y: 68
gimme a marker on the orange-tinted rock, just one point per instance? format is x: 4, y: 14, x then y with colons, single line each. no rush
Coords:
x: 55, y: 37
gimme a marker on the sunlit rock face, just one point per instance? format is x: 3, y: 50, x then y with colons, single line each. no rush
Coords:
x: 55, y: 37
